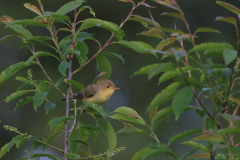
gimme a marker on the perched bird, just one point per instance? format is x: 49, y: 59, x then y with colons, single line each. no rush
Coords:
x: 97, y: 93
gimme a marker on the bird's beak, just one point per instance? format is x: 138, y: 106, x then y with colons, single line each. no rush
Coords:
x: 116, y: 88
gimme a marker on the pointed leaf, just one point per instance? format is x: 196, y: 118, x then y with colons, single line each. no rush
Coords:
x: 201, y: 155
x: 87, y: 7
x: 12, y: 69
x: 228, y: 20
x: 143, y: 20
x: 4, y: 150
x: 63, y: 66
x: 112, y: 54
x: 138, y: 46
x: 71, y: 155
x: 185, y: 156
x: 228, y: 131
x: 20, y: 30
x: 52, y: 123
x: 74, y: 146
x: 39, y: 54
x: 127, y: 118
x: 178, y: 54
x: 84, y: 134
x: 212, y: 46
x: 205, y: 29
x: 145, y: 69
x: 153, y: 32
x: 161, y: 115
x: 33, y: 8
x: 229, y: 7
x: 229, y: 55
x: 44, y: 86
x: 196, y: 145
x: 138, y: 155
x: 132, y: 130
x: 183, y: 135
x: 49, y: 106
x: 50, y: 139
x: 68, y: 7
x: 76, y: 84
x: 16, y: 95
x: 38, y: 99
x: 103, y: 65
x: 161, y: 67
x: 83, y: 48
x: 181, y: 100
x: 23, y: 79
x: 165, y: 95
x: 157, y: 151
x: 94, y: 128
x: 22, y: 102
x: 7, y: 37
x: 176, y: 15
x: 152, y: 113
x: 112, y: 138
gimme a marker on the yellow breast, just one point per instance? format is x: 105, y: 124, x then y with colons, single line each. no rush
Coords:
x: 101, y: 96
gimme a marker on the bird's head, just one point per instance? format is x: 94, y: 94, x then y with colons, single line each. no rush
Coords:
x: 108, y: 87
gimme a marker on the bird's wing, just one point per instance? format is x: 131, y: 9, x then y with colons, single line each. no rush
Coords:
x: 88, y: 92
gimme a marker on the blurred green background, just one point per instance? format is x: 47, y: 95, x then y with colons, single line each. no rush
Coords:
x: 136, y: 92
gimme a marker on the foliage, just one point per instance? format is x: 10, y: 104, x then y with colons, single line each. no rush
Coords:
x: 216, y: 83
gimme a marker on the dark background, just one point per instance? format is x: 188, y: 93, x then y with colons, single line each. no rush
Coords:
x: 136, y: 92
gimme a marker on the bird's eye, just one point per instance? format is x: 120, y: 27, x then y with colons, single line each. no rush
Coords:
x: 107, y: 86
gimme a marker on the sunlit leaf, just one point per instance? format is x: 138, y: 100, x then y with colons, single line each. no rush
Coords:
x: 22, y: 102
x: 181, y: 100
x: 12, y: 69
x: 68, y: 7
x: 176, y: 15
x: 196, y: 145
x: 33, y: 8
x: 164, y: 95
x: 138, y: 46
x: 212, y: 46
x: 16, y: 95
x: 230, y: 20
x: 103, y: 65
x: 183, y: 135
x: 229, y: 55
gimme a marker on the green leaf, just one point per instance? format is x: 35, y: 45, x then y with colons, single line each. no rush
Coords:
x: 33, y: 8
x: 79, y: 141
x: 30, y: 22
x: 50, y: 139
x: 83, y: 48
x: 178, y: 54
x: 103, y: 65
x: 7, y: 37
x: 161, y: 67
x: 192, y: 81
x: 23, y: 79
x: 87, y: 7
x: 171, y: 30
x: 212, y: 46
x: 171, y: 74
x: 20, y: 30
x: 157, y: 151
x: 39, y: 54
x: 59, y: 82
x: 165, y: 42
x: 20, y: 142
x: 127, y: 118
x: 153, y: 32
x: 84, y: 134
x: 16, y: 95
x: 36, y: 39
x: 113, y: 55
x: 196, y: 145
x: 74, y: 146
x: 229, y: 7
x: 143, y: 20
x: 138, y: 155
x: 152, y: 113
x: 38, y: 99
x: 44, y: 155
x: 77, y: 85
x: 56, y: 17
x: 184, y: 135
x: 205, y: 29
x: 71, y: 155
x: 12, y: 69
x: 165, y: 95
x: 161, y: 115
x: 22, y: 102
x: 52, y: 123
x: 213, y: 53
x: 132, y: 130
x: 185, y: 156
x: 228, y: 131
x: 229, y: 55
x: 68, y: 7
x: 92, y: 22
x: 44, y: 86
x: 181, y: 100
x: 37, y: 142
x: 94, y: 128
x: 176, y: 15
x: 63, y: 66
x: 138, y: 46
x: 4, y: 150
x: 145, y: 69
x: 125, y: 110
x: 112, y: 138
x: 49, y: 106
x: 230, y: 20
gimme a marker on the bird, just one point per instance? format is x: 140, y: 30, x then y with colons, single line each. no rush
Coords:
x: 96, y: 93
